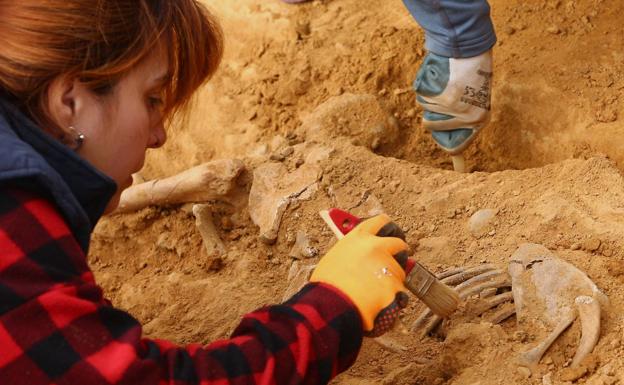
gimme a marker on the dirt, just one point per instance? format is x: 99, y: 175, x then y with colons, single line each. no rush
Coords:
x: 548, y: 164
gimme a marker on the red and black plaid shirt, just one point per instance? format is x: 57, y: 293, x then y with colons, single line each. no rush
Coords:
x: 56, y: 328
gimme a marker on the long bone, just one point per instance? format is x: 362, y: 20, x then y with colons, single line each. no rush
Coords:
x: 532, y: 357
x: 209, y: 181
x: 589, y: 313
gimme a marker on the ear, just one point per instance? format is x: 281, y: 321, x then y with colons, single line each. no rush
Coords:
x: 67, y: 99
x: 61, y: 102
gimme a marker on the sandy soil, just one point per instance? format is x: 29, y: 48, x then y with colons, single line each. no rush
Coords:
x: 548, y: 163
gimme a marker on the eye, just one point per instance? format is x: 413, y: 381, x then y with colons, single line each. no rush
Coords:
x: 155, y: 101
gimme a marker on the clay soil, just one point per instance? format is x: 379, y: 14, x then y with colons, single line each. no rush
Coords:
x: 549, y: 162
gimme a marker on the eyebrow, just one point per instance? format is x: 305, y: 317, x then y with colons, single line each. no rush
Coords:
x: 161, y: 80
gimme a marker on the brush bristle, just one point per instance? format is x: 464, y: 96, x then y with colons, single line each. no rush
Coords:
x: 441, y: 299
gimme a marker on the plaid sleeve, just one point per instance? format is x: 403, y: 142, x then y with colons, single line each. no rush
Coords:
x: 56, y: 327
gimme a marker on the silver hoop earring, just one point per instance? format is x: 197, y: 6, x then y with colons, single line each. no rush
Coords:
x: 78, y: 138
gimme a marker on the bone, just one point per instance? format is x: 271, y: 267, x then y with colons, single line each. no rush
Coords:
x: 493, y: 279
x: 487, y: 276
x: 431, y: 326
x: 491, y: 302
x: 203, y: 221
x: 589, y: 313
x: 435, y: 320
x: 488, y: 293
x: 502, y: 314
x: 389, y: 344
x: 465, y: 275
x: 449, y: 272
x: 206, y: 182
x: 532, y: 357
x: 273, y: 189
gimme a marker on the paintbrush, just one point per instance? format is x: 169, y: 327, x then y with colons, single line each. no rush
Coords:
x: 440, y: 298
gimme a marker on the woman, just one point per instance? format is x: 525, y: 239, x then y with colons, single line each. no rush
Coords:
x: 86, y: 87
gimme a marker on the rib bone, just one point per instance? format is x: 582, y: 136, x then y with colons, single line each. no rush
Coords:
x: 589, y: 313
x: 532, y: 357
x: 206, y: 182
x: 491, y: 302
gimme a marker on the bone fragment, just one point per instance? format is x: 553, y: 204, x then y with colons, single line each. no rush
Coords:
x: 476, y: 289
x: 589, y: 313
x: 488, y: 293
x: 390, y: 344
x: 491, y: 302
x: 502, y: 314
x: 203, y: 221
x: 450, y: 272
x: 487, y: 276
x: 206, y: 182
x: 273, y: 189
x: 434, y: 323
x: 493, y: 279
x: 465, y: 275
x: 532, y: 357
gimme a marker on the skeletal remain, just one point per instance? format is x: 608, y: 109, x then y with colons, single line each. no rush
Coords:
x: 273, y: 189
x: 209, y: 181
x: 468, y: 282
x: 589, y: 313
x: 210, y: 237
x: 546, y: 292
x: 532, y: 357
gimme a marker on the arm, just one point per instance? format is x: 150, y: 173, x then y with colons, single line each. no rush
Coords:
x: 55, y: 326
x: 454, y: 28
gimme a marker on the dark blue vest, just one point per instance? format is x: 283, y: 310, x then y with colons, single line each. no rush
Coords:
x: 32, y: 159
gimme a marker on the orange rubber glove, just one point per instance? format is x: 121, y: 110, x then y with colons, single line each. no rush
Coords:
x: 362, y: 265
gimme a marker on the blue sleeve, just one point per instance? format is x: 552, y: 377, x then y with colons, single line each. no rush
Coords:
x: 454, y: 28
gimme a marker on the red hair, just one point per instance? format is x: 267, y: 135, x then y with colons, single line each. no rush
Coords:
x: 99, y: 41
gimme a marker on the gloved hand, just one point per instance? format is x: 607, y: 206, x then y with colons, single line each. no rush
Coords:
x: 362, y: 265
x: 455, y: 94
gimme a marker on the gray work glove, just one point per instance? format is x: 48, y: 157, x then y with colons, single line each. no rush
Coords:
x: 455, y: 94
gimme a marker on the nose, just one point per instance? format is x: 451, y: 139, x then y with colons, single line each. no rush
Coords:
x: 158, y: 137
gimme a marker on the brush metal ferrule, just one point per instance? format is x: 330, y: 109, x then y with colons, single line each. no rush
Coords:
x: 419, y: 280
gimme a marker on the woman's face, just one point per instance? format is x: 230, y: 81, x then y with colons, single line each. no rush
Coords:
x: 120, y: 126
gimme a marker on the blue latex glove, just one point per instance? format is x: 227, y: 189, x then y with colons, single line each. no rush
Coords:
x: 455, y: 94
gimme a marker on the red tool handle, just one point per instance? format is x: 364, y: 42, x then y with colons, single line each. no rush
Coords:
x: 345, y: 222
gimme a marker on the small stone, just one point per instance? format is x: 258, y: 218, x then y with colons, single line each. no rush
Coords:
x: 553, y: 29
x: 492, y: 233
x: 592, y: 244
x: 410, y: 113
x: 520, y: 336
x: 480, y: 221
x: 573, y: 374
x: 375, y: 144
x: 547, y: 379
x: 509, y: 30
x: 383, y: 92
x: 278, y: 157
x: 288, y: 151
x: 575, y: 246
x: 615, y: 343
x: 607, y: 252
x: 524, y: 371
